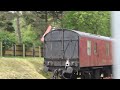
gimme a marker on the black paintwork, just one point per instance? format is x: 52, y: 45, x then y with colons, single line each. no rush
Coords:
x: 60, y: 45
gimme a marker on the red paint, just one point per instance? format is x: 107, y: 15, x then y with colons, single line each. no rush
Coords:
x: 98, y: 59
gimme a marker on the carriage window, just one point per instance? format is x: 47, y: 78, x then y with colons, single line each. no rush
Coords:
x: 95, y: 48
x: 107, y: 49
x: 89, y: 47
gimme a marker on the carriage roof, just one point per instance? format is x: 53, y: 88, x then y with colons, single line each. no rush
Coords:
x: 84, y: 34
x: 92, y: 35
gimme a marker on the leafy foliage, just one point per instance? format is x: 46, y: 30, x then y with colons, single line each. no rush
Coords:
x: 96, y: 22
x: 5, y: 21
x: 33, y: 24
x: 28, y: 35
x: 8, y: 39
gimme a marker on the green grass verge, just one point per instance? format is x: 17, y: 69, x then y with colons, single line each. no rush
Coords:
x: 22, y: 68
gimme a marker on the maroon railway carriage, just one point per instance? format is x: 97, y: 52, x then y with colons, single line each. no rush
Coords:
x: 73, y: 54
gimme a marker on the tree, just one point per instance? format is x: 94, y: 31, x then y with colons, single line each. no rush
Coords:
x: 39, y: 20
x: 18, y: 32
x: 96, y: 22
x: 6, y: 21
x: 7, y: 36
x: 29, y: 36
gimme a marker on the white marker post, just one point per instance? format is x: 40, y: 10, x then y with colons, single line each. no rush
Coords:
x: 116, y: 44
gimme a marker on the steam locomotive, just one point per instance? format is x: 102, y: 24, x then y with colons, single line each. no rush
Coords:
x: 71, y: 54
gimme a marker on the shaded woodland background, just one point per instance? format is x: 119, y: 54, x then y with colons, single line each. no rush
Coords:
x: 27, y: 27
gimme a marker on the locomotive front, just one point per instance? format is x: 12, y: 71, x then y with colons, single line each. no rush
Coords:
x: 61, y: 52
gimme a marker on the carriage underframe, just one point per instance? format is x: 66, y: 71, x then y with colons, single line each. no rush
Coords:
x: 103, y: 72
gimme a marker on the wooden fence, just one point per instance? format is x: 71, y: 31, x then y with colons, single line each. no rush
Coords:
x: 22, y: 50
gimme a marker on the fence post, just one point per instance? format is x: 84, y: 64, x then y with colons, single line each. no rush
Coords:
x: 1, y: 49
x: 23, y: 50
x: 33, y: 50
x: 39, y: 52
x: 42, y: 52
x: 15, y: 50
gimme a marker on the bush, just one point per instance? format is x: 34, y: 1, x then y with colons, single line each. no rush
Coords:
x: 8, y: 39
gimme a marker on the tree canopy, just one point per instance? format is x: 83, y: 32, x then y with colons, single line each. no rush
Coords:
x: 95, y: 22
x: 28, y: 26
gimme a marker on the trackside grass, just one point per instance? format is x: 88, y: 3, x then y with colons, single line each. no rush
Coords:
x: 22, y: 68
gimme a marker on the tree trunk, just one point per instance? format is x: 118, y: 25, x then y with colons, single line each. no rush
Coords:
x: 18, y: 29
x: 46, y: 19
x: 61, y: 20
x: 3, y: 52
